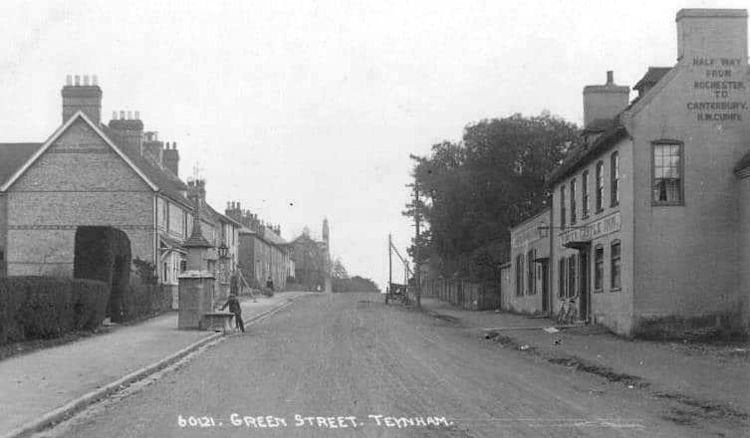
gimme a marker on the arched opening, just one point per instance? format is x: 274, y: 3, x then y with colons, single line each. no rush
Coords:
x: 103, y: 253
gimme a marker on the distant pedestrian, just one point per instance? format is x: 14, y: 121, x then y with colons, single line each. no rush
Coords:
x: 236, y: 309
x: 269, y: 284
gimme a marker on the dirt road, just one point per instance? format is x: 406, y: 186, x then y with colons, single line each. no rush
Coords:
x: 347, y: 365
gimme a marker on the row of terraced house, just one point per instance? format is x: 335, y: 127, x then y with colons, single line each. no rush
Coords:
x: 648, y: 228
x: 91, y: 174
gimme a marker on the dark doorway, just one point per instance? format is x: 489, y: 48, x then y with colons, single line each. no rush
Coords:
x: 545, y: 286
x: 585, y: 307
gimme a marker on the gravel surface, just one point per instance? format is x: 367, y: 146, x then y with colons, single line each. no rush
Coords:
x: 347, y: 365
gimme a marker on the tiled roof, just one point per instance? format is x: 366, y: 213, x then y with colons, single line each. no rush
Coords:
x: 167, y: 181
x: 599, y: 125
x: 652, y: 76
x: 583, y: 153
x: 612, y: 131
x: 13, y: 156
x: 273, y: 237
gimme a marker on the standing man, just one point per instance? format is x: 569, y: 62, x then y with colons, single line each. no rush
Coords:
x: 269, y: 286
x: 236, y: 309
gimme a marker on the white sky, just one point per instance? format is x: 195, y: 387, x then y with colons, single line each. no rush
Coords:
x: 306, y: 109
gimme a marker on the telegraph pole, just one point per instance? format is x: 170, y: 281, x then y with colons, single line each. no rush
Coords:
x: 390, y: 263
x: 417, y: 220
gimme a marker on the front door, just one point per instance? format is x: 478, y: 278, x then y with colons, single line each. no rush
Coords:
x: 585, y: 308
x: 545, y: 287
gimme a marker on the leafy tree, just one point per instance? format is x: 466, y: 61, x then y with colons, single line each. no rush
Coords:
x: 338, y: 271
x: 475, y: 190
x: 341, y: 282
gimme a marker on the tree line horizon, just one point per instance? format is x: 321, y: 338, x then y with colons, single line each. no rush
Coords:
x: 474, y: 190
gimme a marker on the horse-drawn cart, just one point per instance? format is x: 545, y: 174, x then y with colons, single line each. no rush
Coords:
x: 395, y: 292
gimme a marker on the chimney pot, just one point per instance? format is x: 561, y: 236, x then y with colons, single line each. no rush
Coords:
x: 95, y: 80
x: 138, y: 115
x: 604, y: 101
x: 130, y: 115
x: 86, y: 99
x: 122, y: 115
x: 86, y: 80
x: 114, y: 115
x: 174, y: 145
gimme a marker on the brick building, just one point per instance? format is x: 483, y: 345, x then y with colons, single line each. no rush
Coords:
x: 649, y: 214
x: 312, y: 260
x: 263, y: 253
x: 90, y: 174
x: 525, y: 279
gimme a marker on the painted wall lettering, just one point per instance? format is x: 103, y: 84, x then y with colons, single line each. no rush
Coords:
x: 586, y: 233
x: 721, y: 85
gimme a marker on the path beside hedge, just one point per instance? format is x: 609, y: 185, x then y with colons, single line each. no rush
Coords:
x: 38, y: 382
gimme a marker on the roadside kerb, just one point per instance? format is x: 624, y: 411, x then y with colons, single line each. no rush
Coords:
x: 79, y: 404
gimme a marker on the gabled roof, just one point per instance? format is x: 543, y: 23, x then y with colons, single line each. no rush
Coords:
x: 168, y: 183
x: 12, y: 157
x: 51, y: 140
x: 652, y: 76
x: 613, y: 130
x: 214, y: 216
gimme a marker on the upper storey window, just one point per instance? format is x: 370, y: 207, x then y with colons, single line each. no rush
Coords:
x: 599, y: 186
x: 615, y: 179
x: 667, y: 188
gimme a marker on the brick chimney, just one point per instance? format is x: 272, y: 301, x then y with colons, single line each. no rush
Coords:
x: 152, y: 147
x: 171, y: 158
x: 604, y: 102
x: 704, y: 34
x: 128, y: 130
x: 83, y: 96
x: 234, y: 210
x: 197, y: 191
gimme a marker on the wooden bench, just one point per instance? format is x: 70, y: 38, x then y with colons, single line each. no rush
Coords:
x: 218, y: 322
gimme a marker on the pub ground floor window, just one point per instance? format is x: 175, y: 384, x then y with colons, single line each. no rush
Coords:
x: 598, y: 268
x: 530, y: 269
x: 519, y: 275
x: 561, y: 270
x: 572, y: 276
x: 615, y: 265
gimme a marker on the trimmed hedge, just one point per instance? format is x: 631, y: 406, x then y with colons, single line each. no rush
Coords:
x: 48, y: 307
x: 145, y: 300
x: 103, y: 253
